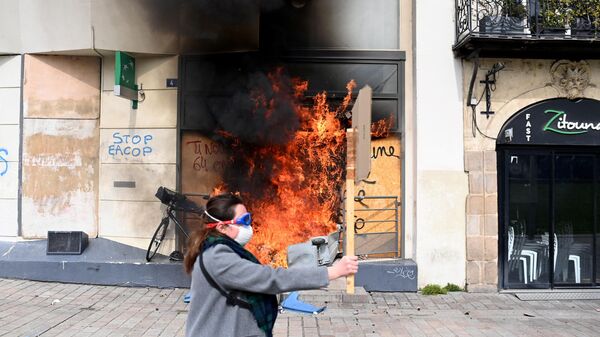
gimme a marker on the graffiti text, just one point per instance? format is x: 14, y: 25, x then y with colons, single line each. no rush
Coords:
x: 130, y: 145
x: 207, y: 156
x: 3, y: 161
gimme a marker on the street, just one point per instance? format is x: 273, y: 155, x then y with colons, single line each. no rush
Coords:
x: 30, y: 308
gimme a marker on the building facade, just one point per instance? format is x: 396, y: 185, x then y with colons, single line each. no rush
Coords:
x: 530, y: 143
x: 75, y: 157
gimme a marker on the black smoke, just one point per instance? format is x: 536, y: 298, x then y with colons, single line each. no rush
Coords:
x: 255, y: 122
x: 261, y: 111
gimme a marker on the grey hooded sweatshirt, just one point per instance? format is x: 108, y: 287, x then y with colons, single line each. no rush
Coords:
x: 210, y: 316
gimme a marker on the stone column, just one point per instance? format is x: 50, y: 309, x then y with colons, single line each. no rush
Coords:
x: 482, y: 221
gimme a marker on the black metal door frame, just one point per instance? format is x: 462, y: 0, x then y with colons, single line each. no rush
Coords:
x: 502, y: 153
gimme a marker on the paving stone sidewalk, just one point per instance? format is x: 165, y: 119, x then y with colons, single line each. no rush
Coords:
x: 53, y: 309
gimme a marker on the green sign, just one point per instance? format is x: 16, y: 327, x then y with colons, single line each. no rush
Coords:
x: 562, y: 125
x: 125, y: 77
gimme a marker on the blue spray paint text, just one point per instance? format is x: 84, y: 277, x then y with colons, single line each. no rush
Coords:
x: 3, y: 161
x: 130, y: 145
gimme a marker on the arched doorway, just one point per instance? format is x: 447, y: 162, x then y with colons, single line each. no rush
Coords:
x: 549, y: 195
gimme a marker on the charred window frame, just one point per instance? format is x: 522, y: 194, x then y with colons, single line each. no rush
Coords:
x: 202, y: 77
x: 206, y: 77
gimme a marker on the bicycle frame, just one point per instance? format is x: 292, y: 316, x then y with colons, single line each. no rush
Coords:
x: 171, y: 214
x: 174, y: 202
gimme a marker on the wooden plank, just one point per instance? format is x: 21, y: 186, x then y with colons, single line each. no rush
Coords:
x: 202, y: 163
x: 384, y: 180
x: 350, y: 203
x: 361, y: 121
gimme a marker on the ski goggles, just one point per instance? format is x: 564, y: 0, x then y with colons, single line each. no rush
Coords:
x: 243, y: 220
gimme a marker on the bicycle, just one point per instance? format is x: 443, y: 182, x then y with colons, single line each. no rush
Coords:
x: 174, y: 202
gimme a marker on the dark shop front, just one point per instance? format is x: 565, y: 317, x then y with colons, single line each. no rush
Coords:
x: 549, y: 195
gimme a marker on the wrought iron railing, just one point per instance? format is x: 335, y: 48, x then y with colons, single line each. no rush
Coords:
x: 534, y: 19
x: 377, y: 224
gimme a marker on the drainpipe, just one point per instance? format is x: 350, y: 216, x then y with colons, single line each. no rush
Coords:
x: 99, y: 116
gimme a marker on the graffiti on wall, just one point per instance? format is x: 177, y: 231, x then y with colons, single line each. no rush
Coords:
x: 130, y: 145
x: 202, y: 163
x: 208, y: 155
x: 3, y: 161
x: 385, y: 151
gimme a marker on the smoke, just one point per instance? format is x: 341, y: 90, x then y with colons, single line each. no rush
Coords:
x: 260, y: 112
x: 255, y: 123
x: 232, y: 10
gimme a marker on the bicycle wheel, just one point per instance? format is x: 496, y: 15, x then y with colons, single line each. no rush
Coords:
x: 157, y: 238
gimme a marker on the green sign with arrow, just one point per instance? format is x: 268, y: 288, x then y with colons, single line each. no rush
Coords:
x: 125, y: 77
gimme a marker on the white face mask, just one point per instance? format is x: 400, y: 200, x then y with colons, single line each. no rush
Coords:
x: 244, y: 235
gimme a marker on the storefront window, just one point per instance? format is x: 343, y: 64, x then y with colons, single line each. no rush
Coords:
x: 527, y: 233
x: 574, y: 218
x: 549, y: 176
x: 544, y: 189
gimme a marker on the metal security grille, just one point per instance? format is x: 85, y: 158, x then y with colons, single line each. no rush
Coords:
x: 558, y: 295
x: 376, y: 226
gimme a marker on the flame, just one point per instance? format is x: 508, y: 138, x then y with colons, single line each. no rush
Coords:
x: 293, y: 189
x: 381, y: 128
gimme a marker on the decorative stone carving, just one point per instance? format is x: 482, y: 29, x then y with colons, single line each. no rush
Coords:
x: 570, y: 77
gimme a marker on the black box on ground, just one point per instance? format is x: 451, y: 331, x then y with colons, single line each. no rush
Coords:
x: 66, y: 242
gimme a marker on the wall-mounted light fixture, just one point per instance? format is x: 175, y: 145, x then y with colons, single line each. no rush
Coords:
x: 490, y: 85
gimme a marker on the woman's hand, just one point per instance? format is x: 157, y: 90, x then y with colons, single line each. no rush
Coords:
x: 348, y: 265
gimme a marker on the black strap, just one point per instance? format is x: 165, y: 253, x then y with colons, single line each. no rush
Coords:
x: 231, y: 299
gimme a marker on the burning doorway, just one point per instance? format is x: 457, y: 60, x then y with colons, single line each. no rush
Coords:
x: 273, y: 130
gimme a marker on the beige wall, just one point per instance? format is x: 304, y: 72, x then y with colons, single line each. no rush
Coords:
x: 10, y: 120
x: 10, y: 43
x: 49, y: 26
x: 75, y: 27
x: 519, y: 84
x: 137, y: 146
x: 61, y: 99
x: 441, y: 183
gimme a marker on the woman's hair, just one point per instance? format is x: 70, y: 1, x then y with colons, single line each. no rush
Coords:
x: 221, y: 207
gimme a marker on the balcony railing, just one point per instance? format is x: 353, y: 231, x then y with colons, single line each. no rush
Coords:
x: 531, y: 20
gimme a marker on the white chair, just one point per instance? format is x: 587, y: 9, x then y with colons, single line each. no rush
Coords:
x: 512, y: 255
x: 576, y: 266
x: 576, y: 259
x: 533, y: 265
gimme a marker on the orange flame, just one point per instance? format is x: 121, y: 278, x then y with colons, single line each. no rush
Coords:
x: 381, y: 128
x: 307, y: 174
x: 302, y: 195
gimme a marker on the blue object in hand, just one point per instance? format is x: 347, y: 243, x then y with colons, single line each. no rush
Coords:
x: 293, y: 303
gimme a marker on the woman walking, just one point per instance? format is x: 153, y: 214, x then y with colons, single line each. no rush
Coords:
x: 233, y: 295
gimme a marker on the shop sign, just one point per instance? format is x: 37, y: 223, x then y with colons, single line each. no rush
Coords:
x: 125, y: 77
x: 554, y: 122
x: 559, y: 124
